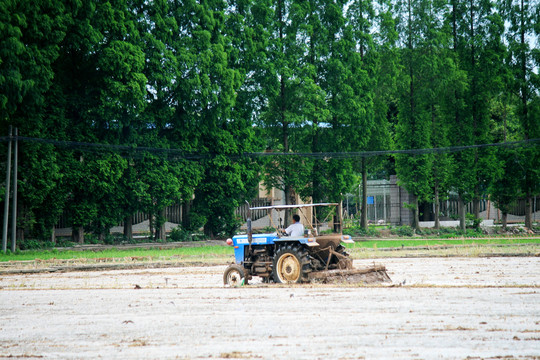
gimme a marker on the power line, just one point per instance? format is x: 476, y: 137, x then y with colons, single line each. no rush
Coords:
x: 178, y: 154
x: 126, y: 150
x: 366, y: 154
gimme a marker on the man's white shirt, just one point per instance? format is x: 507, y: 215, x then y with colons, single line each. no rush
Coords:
x: 295, y: 229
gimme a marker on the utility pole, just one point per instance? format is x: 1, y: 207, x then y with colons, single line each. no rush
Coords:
x: 6, y: 203
x: 14, y: 210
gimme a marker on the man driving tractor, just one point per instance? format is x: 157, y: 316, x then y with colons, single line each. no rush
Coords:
x: 296, y: 228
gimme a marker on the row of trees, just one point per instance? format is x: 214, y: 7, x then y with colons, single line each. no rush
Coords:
x: 221, y: 78
x: 469, y: 76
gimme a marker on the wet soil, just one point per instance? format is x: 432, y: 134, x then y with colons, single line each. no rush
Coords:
x: 449, y: 308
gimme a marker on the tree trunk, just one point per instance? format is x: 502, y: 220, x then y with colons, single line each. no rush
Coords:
x: 504, y: 220
x: 161, y: 233
x: 338, y: 218
x: 128, y: 227
x: 416, y: 214
x: 162, y: 228
x: 186, y: 210
x: 288, y: 190
x: 364, y: 221
x: 476, y: 205
x: 528, y: 211
x: 77, y: 234
x: 288, y: 213
x: 151, y: 225
x: 208, y: 231
x: 461, y: 213
x: 437, y: 208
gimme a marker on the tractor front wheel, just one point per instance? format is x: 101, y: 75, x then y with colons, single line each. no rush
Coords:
x: 233, y: 275
x: 291, y: 265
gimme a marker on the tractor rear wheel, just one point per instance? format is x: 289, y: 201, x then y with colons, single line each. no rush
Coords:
x: 291, y: 264
x: 233, y: 275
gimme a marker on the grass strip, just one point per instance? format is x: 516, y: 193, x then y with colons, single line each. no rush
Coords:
x: 404, y: 242
x: 197, y: 253
x: 224, y: 254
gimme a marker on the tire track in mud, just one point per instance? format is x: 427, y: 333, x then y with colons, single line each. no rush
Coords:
x: 409, y: 272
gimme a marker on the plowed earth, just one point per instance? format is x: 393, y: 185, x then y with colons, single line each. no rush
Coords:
x: 449, y: 308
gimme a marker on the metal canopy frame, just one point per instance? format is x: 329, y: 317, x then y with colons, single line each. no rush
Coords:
x: 309, y: 223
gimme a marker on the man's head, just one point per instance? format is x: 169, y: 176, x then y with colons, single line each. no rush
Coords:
x: 296, y: 218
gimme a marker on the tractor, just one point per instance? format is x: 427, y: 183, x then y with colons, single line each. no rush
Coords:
x: 277, y: 257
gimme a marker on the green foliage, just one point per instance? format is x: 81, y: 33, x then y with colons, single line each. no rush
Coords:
x: 409, y: 206
x: 448, y: 232
x: 473, y: 221
x: 178, y: 234
x: 34, y: 244
x: 358, y: 231
x: 402, y: 231
x: 224, y: 78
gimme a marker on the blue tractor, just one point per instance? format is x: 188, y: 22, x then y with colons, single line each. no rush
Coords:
x: 281, y: 258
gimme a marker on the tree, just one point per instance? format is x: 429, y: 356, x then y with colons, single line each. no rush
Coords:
x: 413, y: 129
x: 283, y: 86
x: 440, y: 72
x: 216, y: 79
x: 206, y: 96
x: 504, y: 189
x: 523, y: 17
x: 347, y: 77
x: 93, y: 201
x: 379, y: 57
x: 167, y: 183
x: 118, y: 101
x: 477, y: 48
x: 150, y: 127
x: 29, y: 47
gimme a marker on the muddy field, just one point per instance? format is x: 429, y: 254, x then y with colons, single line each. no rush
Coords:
x: 449, y: 308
